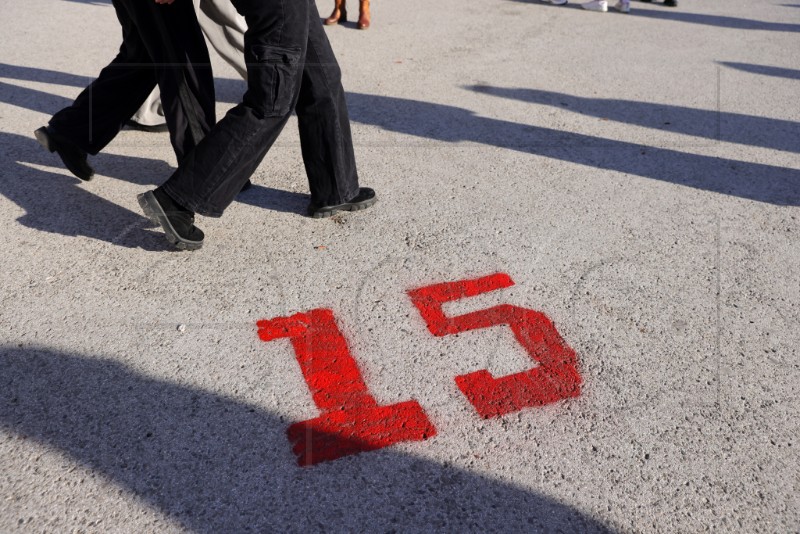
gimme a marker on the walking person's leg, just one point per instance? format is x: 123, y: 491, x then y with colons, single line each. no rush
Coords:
x: 159, y: 45
x: 97, y: 114
x: 324, y: 126
x: 224, y: 29
x: 210, y: 177
x: 150, y: 116
x: 176, y: 45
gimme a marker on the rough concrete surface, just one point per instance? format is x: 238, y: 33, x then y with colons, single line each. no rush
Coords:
x: 637, y: 176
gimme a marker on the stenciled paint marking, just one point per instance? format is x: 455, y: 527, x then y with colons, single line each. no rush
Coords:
x: 555, y: 378
x: 351, y: 420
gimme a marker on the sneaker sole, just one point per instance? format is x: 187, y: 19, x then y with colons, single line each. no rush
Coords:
x: 44, y: 139
x: 152, y: 210
x: 324, y: 213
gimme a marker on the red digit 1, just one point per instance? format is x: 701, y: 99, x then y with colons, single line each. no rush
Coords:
x: 351, y: 420
x: 554, y: 379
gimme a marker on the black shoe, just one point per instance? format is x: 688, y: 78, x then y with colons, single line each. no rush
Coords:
x: 364, y: 199
x: 156, y: 128
x: 73, y: 157
x: 671, y: 3
x: 177, y: 221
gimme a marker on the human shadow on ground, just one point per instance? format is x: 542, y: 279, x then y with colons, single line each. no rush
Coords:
x: 765, y: 70
x: 711, y: 124
x: 211, y: 463
x: 721, y: 21
x: 272, y: 199
x: 61, y: 204
x: 755, y: 181
x: 32, y: 99
x: 227, y: 90
x: 56, y: 203
x: 35, y: 74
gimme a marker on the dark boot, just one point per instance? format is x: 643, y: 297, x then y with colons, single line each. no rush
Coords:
x: 73, y: 157
x: 364, y: 199
x: 177, y: 221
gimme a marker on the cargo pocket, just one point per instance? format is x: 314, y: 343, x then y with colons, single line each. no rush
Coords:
x: 276, y: 72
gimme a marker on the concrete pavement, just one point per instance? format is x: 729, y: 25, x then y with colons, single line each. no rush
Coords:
x: 637, y: 178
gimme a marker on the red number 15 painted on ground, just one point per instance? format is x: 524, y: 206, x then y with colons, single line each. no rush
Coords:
x: 352, y: 421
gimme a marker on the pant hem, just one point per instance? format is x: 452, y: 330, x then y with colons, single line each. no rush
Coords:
x: 198, y: 208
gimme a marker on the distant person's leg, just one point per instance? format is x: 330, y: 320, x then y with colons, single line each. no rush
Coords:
x: 150, y: 117
x: 224, y: 29
x: 324, y: 124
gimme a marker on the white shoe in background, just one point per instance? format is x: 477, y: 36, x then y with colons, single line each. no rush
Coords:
x: 596, y: 5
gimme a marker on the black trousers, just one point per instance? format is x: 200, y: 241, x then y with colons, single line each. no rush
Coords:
x: 290, y: 66
x: 161, y: 44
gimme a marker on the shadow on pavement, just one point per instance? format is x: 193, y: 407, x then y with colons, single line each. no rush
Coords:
x: 227, y: 90
x: 693, y: 18
x: 720, y: 126
x: 33, y: 99
x: 765, y: 70
x: 214, y: 464
x: 715, y: 20
x: 754, y: 181
x: 58, y: 204
x: 272, y: 199
x: 35, y: 74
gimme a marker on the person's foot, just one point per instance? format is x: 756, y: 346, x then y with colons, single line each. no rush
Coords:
x: 596, y: 5
x: 623, y: 6
x: 73, y: 157
x: 556, y: 2
x: 177, y: 221
x: 154, y: 128
x: 364, y: 199
x: 671, y: 3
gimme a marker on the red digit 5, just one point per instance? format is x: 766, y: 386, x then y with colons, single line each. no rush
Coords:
x: 554, y: 379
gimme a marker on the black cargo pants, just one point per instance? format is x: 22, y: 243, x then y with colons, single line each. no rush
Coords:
x: 290, y: 66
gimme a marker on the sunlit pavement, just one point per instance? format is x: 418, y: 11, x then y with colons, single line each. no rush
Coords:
x: 574, y: 308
